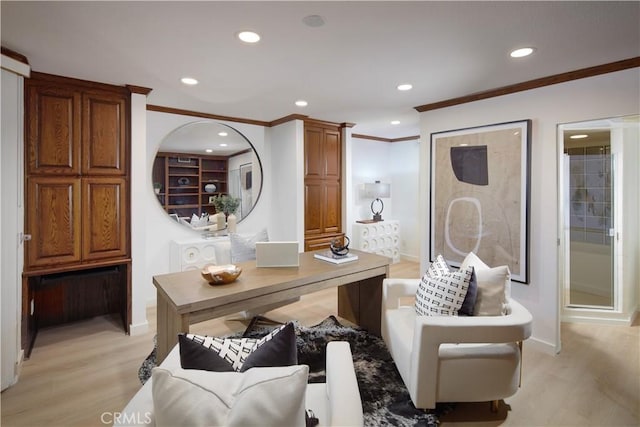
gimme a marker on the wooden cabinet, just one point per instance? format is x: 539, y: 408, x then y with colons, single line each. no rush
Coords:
x: 76, y: 201
x: 104, y: 217
x: 183, y: 179
x: 53, y: 221
x: 104, y: 134
x: 322, y: 182
x: 53, y: 128
x: 77, y: 172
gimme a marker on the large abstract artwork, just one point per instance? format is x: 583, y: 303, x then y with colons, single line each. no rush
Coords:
x: 480, y: 195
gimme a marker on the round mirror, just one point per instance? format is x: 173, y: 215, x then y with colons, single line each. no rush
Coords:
x: 201, y: 164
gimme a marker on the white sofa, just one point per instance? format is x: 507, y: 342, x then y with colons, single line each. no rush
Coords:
x: 334, y: 403
x: 453, y: 358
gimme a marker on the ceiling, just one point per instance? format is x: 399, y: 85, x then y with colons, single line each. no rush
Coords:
x: 347, y: 69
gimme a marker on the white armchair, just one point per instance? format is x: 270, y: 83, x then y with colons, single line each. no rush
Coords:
x: 453, y: 358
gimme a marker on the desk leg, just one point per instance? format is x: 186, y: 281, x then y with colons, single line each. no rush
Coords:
x: 169, y: 325
x: 361, y: 303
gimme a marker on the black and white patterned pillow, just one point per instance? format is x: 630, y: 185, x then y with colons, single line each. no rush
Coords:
x: 441, y: 292
x: 278, y: 348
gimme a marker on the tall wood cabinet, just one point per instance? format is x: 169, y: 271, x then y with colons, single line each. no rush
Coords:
x: 322, y: 182
x: 77, y: 194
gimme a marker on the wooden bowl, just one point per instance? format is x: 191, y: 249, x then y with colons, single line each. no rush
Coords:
x: 220, y: 274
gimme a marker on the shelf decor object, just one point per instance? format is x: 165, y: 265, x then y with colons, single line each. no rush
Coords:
x: 377, y: 190
x: 220, y: 274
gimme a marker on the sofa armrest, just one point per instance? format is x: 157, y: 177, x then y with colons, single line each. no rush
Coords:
x: 394, y: 289
x: 512, y: 327
x: 345, y: 406
x: 432, y: 331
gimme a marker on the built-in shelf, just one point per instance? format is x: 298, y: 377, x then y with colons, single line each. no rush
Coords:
x: 183, y: 179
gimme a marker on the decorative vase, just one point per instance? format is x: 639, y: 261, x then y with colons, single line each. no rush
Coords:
x: 231, y: 223
x: 210, y: 188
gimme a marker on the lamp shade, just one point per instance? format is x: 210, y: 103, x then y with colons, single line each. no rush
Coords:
x: 377, y: 190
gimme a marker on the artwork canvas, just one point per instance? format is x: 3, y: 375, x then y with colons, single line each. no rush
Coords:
x: 480, y: 195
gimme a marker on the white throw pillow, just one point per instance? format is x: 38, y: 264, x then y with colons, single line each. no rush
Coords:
x: 441, y: 292
x: 494, y: 287
x: 257, y: 397
x: 243, y: 248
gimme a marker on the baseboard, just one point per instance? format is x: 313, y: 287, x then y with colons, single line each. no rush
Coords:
x: 543, y: 346
x: 602, y: 318
x: 19, y: 362
x: 138, y: 328
x: 407, y: 257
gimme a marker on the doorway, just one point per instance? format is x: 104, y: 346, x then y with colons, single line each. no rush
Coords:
x: 598, y: 188
x: 588, y: 171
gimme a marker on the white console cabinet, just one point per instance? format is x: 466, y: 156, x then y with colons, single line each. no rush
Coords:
x: 382, y: 238
x: 196, y: 253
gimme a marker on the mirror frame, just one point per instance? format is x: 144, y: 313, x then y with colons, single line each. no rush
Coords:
x: 172, y: 133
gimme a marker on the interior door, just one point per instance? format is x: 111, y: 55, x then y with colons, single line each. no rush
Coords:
x: 589, y: 219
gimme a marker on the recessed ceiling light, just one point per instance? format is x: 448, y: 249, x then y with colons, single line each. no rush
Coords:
x: 223, y: 145
x: 395, y: 122
x: 313, y: 20
x: 301, y: 103
x: 209, y: 150
x: 189, y: 81
x: 579, y: 136
x: 405, y: 86
x: 249, y: 36
x: 520, y: 53
x: 223, y: 133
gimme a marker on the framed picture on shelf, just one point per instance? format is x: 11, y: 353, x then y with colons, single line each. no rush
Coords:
x: 480, y: 195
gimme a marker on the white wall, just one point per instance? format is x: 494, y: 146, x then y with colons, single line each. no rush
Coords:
x: 614, y: 94
x: 11, y: 221
x: 159, y: 228
x: 140, y: 180
x: 286, y: 144
x: 405, y: 193
x: 397, y: 164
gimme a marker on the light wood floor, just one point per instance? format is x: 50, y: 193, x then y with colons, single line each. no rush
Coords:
x: 79, y: 374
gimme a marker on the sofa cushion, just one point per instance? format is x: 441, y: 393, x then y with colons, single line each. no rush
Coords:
x: 243, y: 248
x: 442, y: 292
x: 278, y: 348
x: 494, y: 287
x: 471, y: 297
x: 260, y: 396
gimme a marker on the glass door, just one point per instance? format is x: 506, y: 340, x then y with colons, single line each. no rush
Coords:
x: 589, y: 217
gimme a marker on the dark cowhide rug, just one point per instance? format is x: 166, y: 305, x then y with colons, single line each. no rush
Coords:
x: 385, y: 399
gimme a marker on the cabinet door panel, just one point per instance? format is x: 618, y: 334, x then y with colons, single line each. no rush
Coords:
x: 313, y: 152
x: 105, y: 218
x: 104, y: 134
x: 314, y: 197
x: 332, y: 154
x: 332, y: 208
x: 53, y: 220
x: 53, y: 130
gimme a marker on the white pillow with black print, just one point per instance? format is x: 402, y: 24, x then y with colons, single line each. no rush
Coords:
x: 441, y: 292
x: 277, y: 348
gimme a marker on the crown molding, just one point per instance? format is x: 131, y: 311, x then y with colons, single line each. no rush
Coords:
x: 535, y: 84
x: 170, y: 110
x: 377, y: 138
x: 139, y: 89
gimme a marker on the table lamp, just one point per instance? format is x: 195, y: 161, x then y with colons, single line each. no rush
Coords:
x: 377, y: 191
